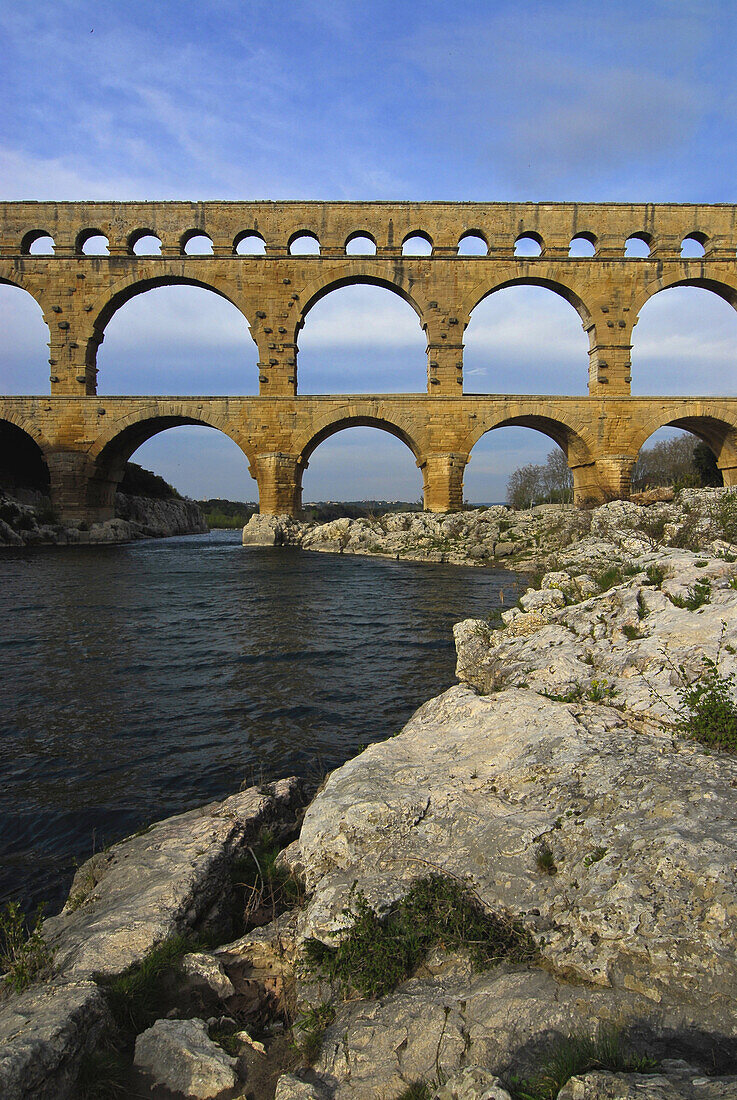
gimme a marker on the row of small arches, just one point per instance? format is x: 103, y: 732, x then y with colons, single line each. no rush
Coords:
x: 304, y: 243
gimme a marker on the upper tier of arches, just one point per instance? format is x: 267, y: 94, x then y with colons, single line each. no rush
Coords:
x: 672, y: 230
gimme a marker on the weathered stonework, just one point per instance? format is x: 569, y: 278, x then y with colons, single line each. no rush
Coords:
x: 85, y: 439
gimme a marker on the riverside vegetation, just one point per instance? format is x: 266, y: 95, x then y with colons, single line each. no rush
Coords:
x: 528, y: 893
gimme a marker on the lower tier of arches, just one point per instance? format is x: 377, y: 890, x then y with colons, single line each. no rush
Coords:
x: 82, y: 443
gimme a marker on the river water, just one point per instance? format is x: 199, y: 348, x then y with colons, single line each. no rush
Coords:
x: 137, y: 681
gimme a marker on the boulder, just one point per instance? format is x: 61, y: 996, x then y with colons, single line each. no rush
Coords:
x: 204, y: 973
x: 44, y: 1033
x: 687, y: 1083
x: 171, y: 879
x: 271, y: 531
x: 472, y: 1083
x: 180, y: 1056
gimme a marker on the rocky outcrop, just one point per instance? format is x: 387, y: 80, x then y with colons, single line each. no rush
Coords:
x: 526, y: 540
x: 179, y: 1055
x: 33, y: 524
x: 172, y: 879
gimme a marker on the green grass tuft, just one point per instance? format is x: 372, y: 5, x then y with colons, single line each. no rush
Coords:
x: 576, y: 1055
x: 24, y: 954
x: 381, y: 950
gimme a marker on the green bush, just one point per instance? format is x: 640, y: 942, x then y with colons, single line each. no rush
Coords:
x: 724, y: 516
x: 709, y: 713
x: 380, y: 951
x: 696, y: 596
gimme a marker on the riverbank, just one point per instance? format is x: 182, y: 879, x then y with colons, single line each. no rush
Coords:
x: 528, y: 541
x: 557, y: 798
x: 31, y: 522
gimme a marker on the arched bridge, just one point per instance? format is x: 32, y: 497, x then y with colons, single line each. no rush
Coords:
x: 84, y: 439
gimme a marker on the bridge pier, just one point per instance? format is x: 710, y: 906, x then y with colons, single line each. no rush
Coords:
x: 78, y: 493
x: 442, y: 476
x: 279, y: 478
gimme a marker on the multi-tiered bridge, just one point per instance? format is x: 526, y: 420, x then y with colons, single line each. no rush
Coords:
x: 83, y: 439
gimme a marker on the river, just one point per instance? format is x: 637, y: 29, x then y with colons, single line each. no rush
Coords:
x: 142, y: 679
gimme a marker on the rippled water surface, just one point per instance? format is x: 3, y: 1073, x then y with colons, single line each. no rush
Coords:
x: 141, y: 680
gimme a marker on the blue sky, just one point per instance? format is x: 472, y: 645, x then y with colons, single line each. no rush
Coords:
x: 357, y: 100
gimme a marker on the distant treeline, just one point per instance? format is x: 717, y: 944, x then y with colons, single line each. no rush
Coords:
x: 323, y: 511
x: 227, y: 513
x: 138, y: 482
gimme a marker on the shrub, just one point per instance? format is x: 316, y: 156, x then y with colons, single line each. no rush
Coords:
x: 696, y: 596
x: 655, y: 575
x: 309, y: 1030
x: 609, y: 578
x: 24, y: 954
x: 709, y: 710
x: 379, y: 951
x: 544, y: 861
x: 723, y: 514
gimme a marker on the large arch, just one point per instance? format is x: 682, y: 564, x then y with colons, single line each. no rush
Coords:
x: 685, y: 338
x: 23, y: 460
x: 122, y: 439
x: 234, y: 370
x: 24, y: 343
x: 371, y: 462
x: 522, y: 328
x: 576, y: 450
x: 719, y: 434
x: 362, y: 339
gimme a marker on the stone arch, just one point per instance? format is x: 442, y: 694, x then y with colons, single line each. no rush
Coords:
x: 191, y: 235
x: 31, y: 237
x: 568, y: 436
x: 724, y: 290
x: 130, y: 288
x: 714, y: 428
x: 356, y: 417
x: 23, y: 455
x: 563, y: 290
x: 122, y: 437
x: 357, y: 277
x: 44, y: 340
x: 360, y: 235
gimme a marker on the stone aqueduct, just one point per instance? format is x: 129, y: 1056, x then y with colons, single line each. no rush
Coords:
x: 85, y: 439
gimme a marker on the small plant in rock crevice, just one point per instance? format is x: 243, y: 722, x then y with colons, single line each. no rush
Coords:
x: 545, y: 861
x: 631, y: 632
x: 696, y: 596
x: 577, y: 1055
x: 709, y: 710
x: 309, y: 1029
x: 380, y: 950
x: 655, y: 575
x: 24, y: 954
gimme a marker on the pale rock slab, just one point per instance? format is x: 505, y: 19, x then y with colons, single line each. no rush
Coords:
x: 180, y: 1055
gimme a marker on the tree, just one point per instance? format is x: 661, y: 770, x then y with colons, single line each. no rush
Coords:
x: 532, y: 484
x: 681, y: 461
x: 524, y: 486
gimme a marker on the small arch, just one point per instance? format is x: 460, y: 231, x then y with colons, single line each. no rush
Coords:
x: 360, y: 244
x: 92, y: 242
x: 23, y: 468
x: 144, y: 242
x: 304, y: 243
x: 37, y: 242
x: 637, y: 246
x: 693, y: 246
x: 473, y: 243
x: 195, y: 242
x: 528, y: 244
x: 582, y: 246
x: 417, y: 243
x: 249, y: 243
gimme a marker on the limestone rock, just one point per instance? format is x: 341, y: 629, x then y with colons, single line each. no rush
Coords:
x: 204, y: 972
x: 472, y: 1083
x: 289, y: 1087
x: 180, y: 1056
x: 500, y: 1020
x: 683, y: 1084
x: 270, y: 531
x: 166, y: 881
x: 44, y: 1032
